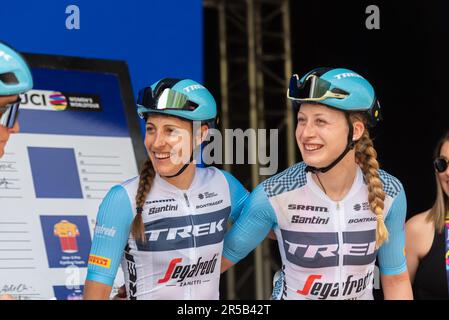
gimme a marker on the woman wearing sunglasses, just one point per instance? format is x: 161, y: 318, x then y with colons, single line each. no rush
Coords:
x: 336, y: 211
x: 15, y: 78
x: 427, y: 234
x: 167, y: 225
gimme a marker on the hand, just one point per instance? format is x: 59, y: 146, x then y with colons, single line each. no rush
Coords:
x: 7, y: 297
x: 121, y: 294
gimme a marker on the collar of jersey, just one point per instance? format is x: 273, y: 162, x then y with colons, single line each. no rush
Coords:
x: 356, y: 185
x: 163, y: 184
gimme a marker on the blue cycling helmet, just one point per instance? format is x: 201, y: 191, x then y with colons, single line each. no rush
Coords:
x: 183, y: 98
x: 339, y: 88
x: 15, y: 75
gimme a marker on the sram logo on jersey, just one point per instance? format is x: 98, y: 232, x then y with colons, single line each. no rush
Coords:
x: 187, y: 231
x: 168, y: 207
x: 182, y: 272
x: 307, y: 208
x: 322, y: 249
x: 323, y: 290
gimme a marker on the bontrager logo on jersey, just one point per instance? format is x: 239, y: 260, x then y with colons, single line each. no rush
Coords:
x: 362, y: 220
x: 307, y: 208
x: 321, y: 249
x: 168, y: 207
x: 182, y: 272
x: 323, y: 290
x: 309, y: 220
x: 174, y: 233
x: 210, y: 204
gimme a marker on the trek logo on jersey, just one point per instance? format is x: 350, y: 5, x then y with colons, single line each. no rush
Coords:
x: 168, y: 207
x: 183, y: 272
x: 309, y: 220
x: 46, y: 100
x: 347, y: 75
x: 321, y: 249
x: 307, y: 208
x: 104, y: 231
x: 314, y: 287
x: 174, y: 233
x: 100, y: 261
x: 362, y: 206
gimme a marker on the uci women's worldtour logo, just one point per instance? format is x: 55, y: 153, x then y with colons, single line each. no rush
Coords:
x: 58, y: 101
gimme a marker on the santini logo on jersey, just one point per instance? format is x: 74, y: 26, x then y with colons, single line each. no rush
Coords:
x: 323, y: 290
x: 182, y: 272
x: 168, y: 207
x: 309, y: 220
x: 307, y: 208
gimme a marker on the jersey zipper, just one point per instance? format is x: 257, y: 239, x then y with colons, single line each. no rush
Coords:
x: 193, y: 249
x: 340, y: 250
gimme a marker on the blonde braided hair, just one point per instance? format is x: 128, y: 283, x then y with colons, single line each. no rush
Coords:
x: 145, y: 182
x: 366, y: 157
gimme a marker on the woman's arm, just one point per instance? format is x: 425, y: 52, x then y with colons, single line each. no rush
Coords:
x: 96, y: 291
x: 397, y: 287
x: 111, y: 234
x: 418, y: 232
x: 251, y: 228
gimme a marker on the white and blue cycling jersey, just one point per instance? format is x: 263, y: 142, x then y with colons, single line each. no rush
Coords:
x: 328, y: 249
x: 184, y: 232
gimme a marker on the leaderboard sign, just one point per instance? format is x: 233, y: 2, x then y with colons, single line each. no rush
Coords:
x: 79, y: 136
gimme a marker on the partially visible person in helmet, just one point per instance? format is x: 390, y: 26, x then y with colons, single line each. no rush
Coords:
x: 15, y: 78
x: 166, y: 226
x: 336, y: 211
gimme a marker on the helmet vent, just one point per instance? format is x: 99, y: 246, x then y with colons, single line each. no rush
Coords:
x: 8, y: 78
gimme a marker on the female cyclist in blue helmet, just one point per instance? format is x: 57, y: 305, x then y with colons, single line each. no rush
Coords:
x: 171, y: 219
x: 336, y: 211
x: 15, y: 78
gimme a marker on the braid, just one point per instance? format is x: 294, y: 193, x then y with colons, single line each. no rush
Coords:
x: 366, y: 157
x: 145, y: 181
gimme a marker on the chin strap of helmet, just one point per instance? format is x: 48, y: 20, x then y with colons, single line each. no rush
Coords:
x: 349, y: 146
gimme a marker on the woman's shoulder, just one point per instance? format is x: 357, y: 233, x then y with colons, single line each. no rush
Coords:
x: 291, y: 178
x: 419, y: 224
x: 391, y: 185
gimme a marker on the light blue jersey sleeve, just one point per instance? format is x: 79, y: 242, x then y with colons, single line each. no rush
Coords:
x: 114, y: 219
x: 391, y: 254
x: 238, y: 195
x: 251, y: 227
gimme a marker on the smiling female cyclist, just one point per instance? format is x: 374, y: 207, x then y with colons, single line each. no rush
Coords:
x: 336, y: 211
x: 167, y: 225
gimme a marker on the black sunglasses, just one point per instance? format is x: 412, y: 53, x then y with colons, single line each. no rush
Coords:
x: 441, y: 164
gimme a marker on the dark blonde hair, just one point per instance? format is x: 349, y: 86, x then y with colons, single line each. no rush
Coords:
x: 439, y: 209
x: 145, y: 182
x: 366, y: 157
